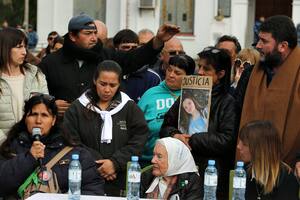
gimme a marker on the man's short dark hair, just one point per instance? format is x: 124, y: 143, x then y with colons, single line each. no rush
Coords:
x: 230, y: 38
x: 125, y: 36
x: 282, y: 29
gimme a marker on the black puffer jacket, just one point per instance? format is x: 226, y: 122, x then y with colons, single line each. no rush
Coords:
x: 287, y: 187
x: 129, y: 135
x: 193, y: 190
x: 218, y: 143
x: 14, y: 171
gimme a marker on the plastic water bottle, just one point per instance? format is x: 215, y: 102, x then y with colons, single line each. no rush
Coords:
x: 239, y: 182
x: 210, y: 181
x: 134, y: 179
x: 74, y: 178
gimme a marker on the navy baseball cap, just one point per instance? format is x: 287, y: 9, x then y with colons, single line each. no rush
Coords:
x: 80, y: 22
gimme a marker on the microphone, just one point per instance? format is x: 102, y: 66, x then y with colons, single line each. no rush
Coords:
x: 36, y: 136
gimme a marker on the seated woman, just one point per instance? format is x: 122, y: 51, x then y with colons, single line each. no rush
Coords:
x: 219, y: 141
x: 174, y: 173
x: 110, y: 124
x: 267, y: 176
x: 20, y: 155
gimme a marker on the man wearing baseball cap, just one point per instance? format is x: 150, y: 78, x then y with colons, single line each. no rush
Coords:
x: 69, y: 71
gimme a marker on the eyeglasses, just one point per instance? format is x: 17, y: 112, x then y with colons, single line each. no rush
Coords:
x: 51, y: 38
x: 174, y: 53
x: 238, y: 62
x: 42, y: 95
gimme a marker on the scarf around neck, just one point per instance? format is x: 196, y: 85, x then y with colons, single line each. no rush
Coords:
x: 106, y: 132
x: 74, y: 51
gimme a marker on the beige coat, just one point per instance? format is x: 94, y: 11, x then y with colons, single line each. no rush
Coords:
x: 35, y: 81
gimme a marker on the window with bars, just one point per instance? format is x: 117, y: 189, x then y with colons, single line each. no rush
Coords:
x: 178, y: 12
x: 224, y: 7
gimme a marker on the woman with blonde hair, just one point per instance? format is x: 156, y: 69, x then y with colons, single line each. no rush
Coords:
x: 268, y: 177
x: 246, y: 58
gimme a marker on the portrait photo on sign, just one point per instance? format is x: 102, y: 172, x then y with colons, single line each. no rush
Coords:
x: 194, y: 105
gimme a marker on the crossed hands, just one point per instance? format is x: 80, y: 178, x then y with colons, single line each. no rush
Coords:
x: 107, y: 169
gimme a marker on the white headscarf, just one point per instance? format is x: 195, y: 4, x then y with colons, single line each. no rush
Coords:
x: 180, y: 160
x: 106, y: 133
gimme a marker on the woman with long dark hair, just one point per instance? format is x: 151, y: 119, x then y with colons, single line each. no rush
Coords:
x: 20, y: 155
x: 110, y: 124
x: 17, y: 78
x: 218, y: 142
x: 268, y: 177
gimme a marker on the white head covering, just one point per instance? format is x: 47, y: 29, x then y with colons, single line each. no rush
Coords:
x: 106, y: 133
x: 180, y: 160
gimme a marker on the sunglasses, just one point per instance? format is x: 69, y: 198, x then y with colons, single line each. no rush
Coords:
x: 238, y: 62
x: 51, y: 38
x: 174, y: 53
x: 211, y: 49
x: 42, y: 95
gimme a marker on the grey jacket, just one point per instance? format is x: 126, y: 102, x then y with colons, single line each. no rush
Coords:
x: 34, y: 81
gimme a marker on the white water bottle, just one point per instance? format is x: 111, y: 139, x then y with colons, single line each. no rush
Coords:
x: 210, y: 181
x: 74, y: 178
x: 239, y: 182
x: 134, y: 179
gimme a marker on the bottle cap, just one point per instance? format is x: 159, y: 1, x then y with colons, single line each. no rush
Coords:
x: 75, y: 157
x: 134, y: 158
x: 240, y: 164
x: 211, y: 162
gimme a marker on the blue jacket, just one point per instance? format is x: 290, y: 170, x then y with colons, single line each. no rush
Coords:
x: 155, y: 103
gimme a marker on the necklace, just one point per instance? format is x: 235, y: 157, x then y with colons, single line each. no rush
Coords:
x: 172, y: 94
x: 259, y: 191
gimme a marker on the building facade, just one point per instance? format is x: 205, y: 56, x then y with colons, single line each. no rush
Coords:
x: 201, y: 21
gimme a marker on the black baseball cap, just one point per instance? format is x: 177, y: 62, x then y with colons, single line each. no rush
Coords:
x: 80, y: 22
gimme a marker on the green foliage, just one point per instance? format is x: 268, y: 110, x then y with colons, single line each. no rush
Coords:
x: 13, y: 12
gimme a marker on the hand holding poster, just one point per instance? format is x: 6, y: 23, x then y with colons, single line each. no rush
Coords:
x: 195, y: 104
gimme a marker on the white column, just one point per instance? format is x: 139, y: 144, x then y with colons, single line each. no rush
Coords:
x: 296, y: 12
x: 53, y: 16
x: 239, y: 13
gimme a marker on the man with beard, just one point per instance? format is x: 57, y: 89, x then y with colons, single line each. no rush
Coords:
x: 70, y: 70
x: 270, y: 90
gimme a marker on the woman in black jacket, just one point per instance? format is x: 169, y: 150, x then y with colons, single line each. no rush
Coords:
x: 110, y: 124
x: 20, y: 155
x: 268, y: 177
x: 174, y: 173
x: 219, y: 141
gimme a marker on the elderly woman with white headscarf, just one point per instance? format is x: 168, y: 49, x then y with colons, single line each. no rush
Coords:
x: 175, y: 173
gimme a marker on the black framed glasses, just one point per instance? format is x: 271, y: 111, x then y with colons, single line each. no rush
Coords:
x: 42, y: 95
x: 51, y: 38
x: 174, y: 53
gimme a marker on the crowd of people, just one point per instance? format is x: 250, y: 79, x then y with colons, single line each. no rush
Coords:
x: 108, y: 99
